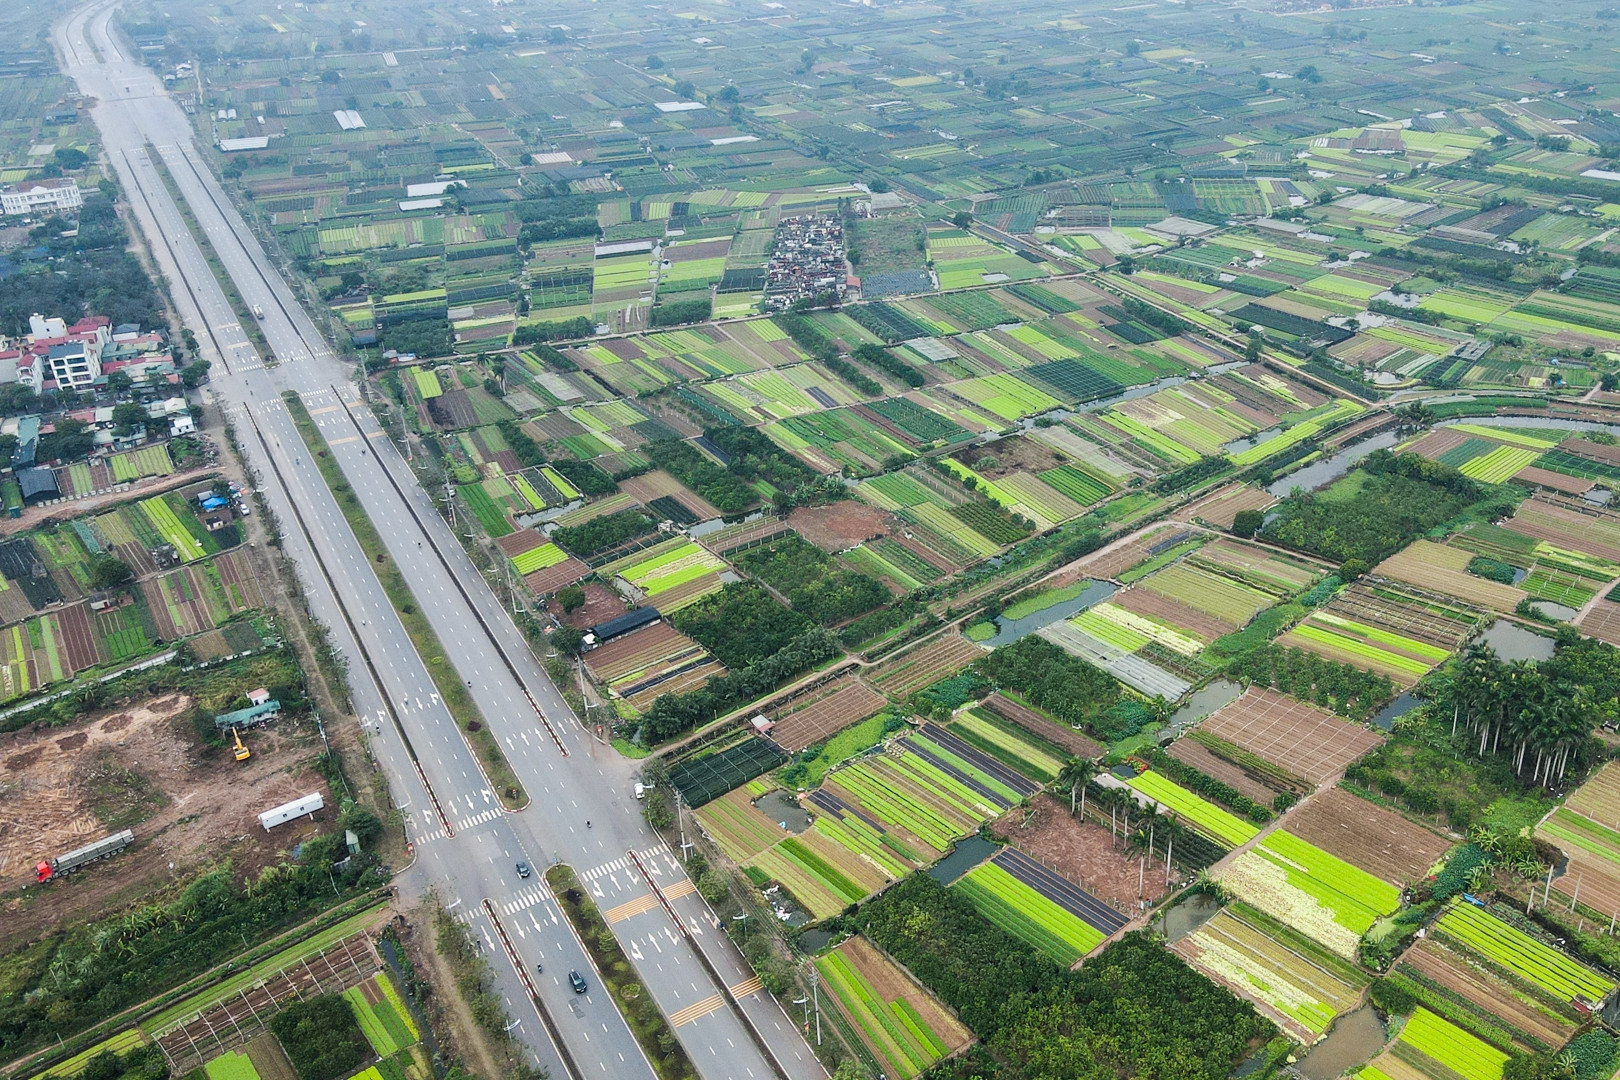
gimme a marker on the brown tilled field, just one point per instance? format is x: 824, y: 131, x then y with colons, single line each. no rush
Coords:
x: 1083, y: 853
x: 1222, y: 507
x: 138, y: 768
x: 840, y: 525
x: 1436, y: 963
x: 1301, y: 738
x: 829, y: 708
x: 925, y: 665
x: 1199, y: 756
x: 1363, y: 834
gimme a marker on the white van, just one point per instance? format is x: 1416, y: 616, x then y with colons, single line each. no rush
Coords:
x: 641, y: 790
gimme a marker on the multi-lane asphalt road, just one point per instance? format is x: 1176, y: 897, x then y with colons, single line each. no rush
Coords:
x: 466, y: 846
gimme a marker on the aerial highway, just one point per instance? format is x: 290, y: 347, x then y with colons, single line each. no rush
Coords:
x: 466, y: 846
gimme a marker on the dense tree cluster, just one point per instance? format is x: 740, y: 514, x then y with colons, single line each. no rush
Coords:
x: 816, y: 586
x: 1403, y: 498
x: 1135, y: 1010
x: 740, y: 624
x: 1050, y: 678
x: 321, y: 1037
x: 92, y: 273
x: 730, y: 487
x: 601, y: 533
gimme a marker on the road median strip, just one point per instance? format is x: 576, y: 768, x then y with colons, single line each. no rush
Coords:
x: 452, y: 690
x: 652, y: 1030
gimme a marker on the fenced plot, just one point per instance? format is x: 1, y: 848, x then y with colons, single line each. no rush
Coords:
x: 925, y: 665
x: 238, y: 1014
x: 830, y: 708
x: 1298, y: 737
x: 710, y: 775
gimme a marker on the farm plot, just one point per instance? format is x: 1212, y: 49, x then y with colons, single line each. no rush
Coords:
x: 1367, y: 836
x: 1044, y: 728
x: 1301, y: 986
x: 1599, y: 797
x: 382, y: 1016
x: 1204, y: 589
x: 1300, y: 738
x: 900, y: 1022
x: 1317, y: 894
x: 737, y: 825
x: 671, y: 575
x: 882, y: 816
x: 1482, y: 999
x: 1254, y: 779
x: 1009, y: 744
x: 905, y: 674
x: 1395, y: 630
x: 1113, y: 650
x: 1430, y: 1048
x: 174, y: 530
x: 1032, y: 903
x: 1569, y: 526
x: 1223, y: 506
x: 1537, y: 963
x: 1224, y: 828
x: 830, y: 708
x: 1444, y: 570
x: 654, y: 660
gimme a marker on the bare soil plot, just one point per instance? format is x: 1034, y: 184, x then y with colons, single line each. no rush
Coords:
x: 829, y: 708
x: 1221, y: 507
x: 1433, y: 962
x: 1437, y: 442
x: 1443, y: 569
x: 657, y: 659
x: 1570, y: 485
x: 1199, y: 756
x: 514, y: 544
x: 1010, y: 455
x: 1081, y: 851
x: 1603, y: 622
x: 1562, y: 523
x: 659, y: 484
x: 601, y: 604
x: 139, y: 768
x: 840, y: 525
x: 80, y: 637
x: 1299, y: 737
x: 1042, y: 726
x: 1363, y: 834
x: 1111, y: 562
x: 1599, y: 797
x: 553, y: 578
x: 1165, y: 609
x: 924, y: 665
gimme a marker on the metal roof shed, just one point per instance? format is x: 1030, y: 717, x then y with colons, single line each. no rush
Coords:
x: 280, y: 815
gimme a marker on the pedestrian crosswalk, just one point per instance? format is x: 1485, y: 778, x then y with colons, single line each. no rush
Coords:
x: 529, y: 897
x: 649, y: 859
x: 478, y: 819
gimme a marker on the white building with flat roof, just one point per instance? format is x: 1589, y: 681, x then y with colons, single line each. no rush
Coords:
x: 35, y: 196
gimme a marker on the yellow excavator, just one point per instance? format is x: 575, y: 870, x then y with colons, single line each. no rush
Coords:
x: 241, y: 751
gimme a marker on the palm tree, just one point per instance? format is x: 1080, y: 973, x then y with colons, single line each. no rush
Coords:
x: 1172, y: 826
x: 1139, y: 843
x: 1077, y: 772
